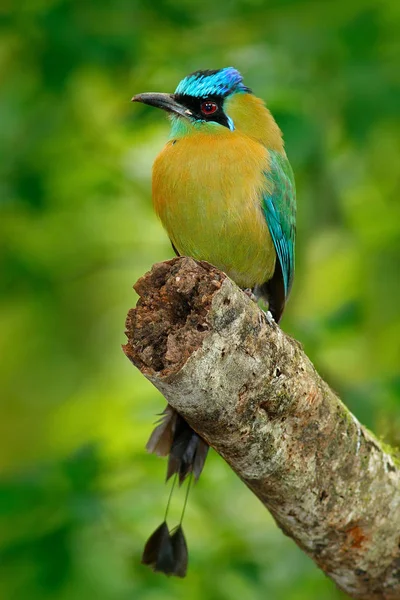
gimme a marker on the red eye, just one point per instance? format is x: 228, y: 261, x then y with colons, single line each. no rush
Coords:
x: 208, y: 108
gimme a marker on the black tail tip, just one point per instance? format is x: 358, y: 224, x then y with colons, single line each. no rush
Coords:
x: 166, y: 552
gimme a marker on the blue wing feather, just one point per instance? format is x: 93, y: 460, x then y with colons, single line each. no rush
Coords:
x: 279, y: 206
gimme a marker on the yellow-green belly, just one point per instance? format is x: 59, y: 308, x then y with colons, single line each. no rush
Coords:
x: 207, y: 192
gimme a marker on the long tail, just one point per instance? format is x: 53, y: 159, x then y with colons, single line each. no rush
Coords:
x: 166, y: 551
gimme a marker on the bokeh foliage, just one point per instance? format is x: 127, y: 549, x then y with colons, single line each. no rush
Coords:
x: 78, y: 494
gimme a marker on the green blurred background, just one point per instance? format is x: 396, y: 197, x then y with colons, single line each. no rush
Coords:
x: 78, y: 493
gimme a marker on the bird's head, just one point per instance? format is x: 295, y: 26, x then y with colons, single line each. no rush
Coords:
x: 216, y: 101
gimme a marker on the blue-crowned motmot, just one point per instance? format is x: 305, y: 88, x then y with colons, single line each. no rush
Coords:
x: 224, y: 191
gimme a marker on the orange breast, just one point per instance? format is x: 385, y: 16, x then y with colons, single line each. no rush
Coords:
x: 207, y: 191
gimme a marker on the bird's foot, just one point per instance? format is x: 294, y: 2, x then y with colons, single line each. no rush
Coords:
x: 250, y: 294
x: 265, y: 316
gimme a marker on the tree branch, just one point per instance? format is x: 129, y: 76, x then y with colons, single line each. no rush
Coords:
x: 250, y: 391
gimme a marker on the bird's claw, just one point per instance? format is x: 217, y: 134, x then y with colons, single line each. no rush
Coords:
x: 249, y: 292
x: 265, y: 316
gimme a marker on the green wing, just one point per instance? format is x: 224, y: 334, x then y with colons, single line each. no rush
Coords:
x: 279, y: 207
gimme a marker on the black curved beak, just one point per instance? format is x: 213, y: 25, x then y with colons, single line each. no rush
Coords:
x: 165, y: 101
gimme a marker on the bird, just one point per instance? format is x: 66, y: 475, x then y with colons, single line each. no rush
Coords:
x: 224, y: 191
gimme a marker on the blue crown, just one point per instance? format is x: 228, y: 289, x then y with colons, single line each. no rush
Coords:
x: 221, y: 82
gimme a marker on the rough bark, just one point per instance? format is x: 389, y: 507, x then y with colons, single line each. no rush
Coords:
x: 249, y: 390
